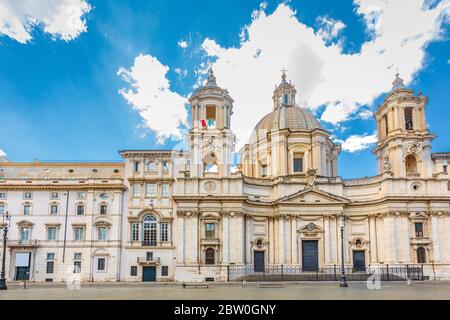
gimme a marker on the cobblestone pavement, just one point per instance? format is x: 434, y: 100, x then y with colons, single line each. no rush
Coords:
x: 289, y: 291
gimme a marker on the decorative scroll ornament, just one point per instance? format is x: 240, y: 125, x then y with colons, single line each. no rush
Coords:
x: 387, y: 165
x: 413, y: 147
x: 311, y: 176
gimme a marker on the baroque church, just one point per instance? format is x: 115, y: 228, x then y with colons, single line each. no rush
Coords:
x: 166, y: 215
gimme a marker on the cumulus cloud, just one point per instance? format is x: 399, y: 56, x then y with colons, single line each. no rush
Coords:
x: 329, y: 28
x: 2, y: 153
x: 357, y: 142
x: 163, y: 110
x: 181, y: 72
x: 325, y: 76
x: 62, y: 19
x: 183, y: 44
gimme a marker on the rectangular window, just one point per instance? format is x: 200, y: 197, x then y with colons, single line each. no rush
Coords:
x: 79, y: 233
x: 164, y: 232
x: 50, y: 256
x: 418, y: 229
x: 77, y: 256
x: 136, y: 190
x: 54, y: 195
x: 211, y: 116
x: 77, y: 267
x: 2, y: 195
x: 51, y: 233
x: 149, y: 256
x: 264, y: 170
x: 53, y: 210
x: 80, y: 210
x: 50, y: 267
x: 101, y: 264
x: 136, y: 166
x: 164, y: 271
x: 27, y: 195
x: 298, y: 162
x: 210, y: 230
x: 165, y: 190
x: 26, y: 210
x: 135, y: 231
x: 150, y: 190
x: 165, y: 165
x: 409, y: 118
x: 103, y: 209
x: 133, y: 271
x: 152, y: 167
x: 102, y: 233
x: 81, y: 195
x: 2, y: 209
x: 25, y: 234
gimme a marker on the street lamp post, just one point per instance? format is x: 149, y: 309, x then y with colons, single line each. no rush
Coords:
x: 6, y: 220
x: 343, y: 283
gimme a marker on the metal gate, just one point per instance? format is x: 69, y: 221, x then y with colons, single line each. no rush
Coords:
x: 329, y: 273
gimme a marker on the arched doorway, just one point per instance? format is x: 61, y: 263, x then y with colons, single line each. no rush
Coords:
x: 411, y: 164
x: 210, y: 256
x: 149, y: 231
x: 421, y: 255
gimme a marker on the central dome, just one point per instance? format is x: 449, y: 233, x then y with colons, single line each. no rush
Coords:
x: 292, y: 117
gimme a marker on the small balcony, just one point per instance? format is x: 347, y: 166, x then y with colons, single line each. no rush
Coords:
x: 412, y: 175
x: 420, y: 240
x: 210, y: 241
x: 22, y: 243
x: 148, y: 260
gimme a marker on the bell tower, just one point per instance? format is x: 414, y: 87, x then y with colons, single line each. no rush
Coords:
x: 284, y: 93
x: 211, y: 140
x: 404, y: 142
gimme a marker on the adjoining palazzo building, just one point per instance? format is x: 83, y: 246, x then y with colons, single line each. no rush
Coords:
x: 164, y: 215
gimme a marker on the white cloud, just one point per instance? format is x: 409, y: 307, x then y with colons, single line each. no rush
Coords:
x: 162, y: 109
x: 357, y: 142
x: 329, y: 28
x: 183, y: 44
x: 181, y: 72
x: 2, y: 153
x: 63, y: 19
x: 323, y: 74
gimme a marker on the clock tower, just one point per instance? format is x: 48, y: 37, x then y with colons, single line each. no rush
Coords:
x: 211, y: 140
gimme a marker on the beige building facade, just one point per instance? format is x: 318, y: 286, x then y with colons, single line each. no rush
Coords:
x: 170, y: 215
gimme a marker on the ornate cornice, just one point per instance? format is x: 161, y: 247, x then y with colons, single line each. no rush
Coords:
x: 61, y: 187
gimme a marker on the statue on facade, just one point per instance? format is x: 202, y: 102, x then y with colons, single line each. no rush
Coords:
x: 387, y: 165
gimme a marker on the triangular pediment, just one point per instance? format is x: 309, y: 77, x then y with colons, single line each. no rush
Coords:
x: 312, y: 196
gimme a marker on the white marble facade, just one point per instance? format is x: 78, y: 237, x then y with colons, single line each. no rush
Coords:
x: 169, y: 215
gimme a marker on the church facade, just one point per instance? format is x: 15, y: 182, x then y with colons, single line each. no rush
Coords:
x: 169, y: 215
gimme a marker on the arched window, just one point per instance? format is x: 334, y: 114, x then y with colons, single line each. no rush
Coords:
x: 411, y: 164
x: 149, y: 228
x: 210, y: 256
x: 421, y: 255
x: 285, y: 99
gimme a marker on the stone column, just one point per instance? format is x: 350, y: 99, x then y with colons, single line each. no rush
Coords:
x: 181, y: 238
x: 436, y: 238
x: 294, y: 255
x: 327, y: 240
x: 248, y: 244
x: 225, y: 238
x: 271, y: 241
x: 373, y: 240
x: 281, y: 240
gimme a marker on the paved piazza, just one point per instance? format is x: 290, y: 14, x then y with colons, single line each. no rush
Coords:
x: 290, y: 291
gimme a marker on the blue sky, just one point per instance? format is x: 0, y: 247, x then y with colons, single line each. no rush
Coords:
x: 116, y: 77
